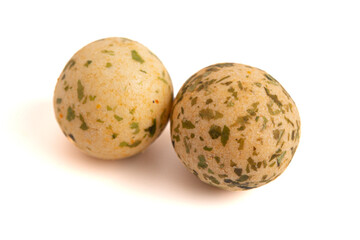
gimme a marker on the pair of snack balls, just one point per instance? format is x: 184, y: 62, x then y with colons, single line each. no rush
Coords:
x: 233, y: 126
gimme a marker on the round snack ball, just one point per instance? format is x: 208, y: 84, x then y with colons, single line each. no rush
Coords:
x: 234, y: 126
x: 113, y: 98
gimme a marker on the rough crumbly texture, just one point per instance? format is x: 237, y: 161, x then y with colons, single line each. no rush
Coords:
x: 113, y: 98
x: 234, y: 126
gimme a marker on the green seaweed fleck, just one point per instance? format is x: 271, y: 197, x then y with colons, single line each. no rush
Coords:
x: 215, y: 131
x: 125, y: 144
x: 135, y: 56
x: 70, y: 114
x: 80, y: 90
x: 202, y: 162
x: 187, y: 124
x: 152, y: 129
x: 225, y: 135
x: 117, y: 117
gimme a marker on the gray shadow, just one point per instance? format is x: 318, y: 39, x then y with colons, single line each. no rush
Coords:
x: 156, y: 172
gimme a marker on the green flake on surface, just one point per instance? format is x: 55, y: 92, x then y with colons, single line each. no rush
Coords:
x: 227, y: 83
x: 209, y: 114
x: 238, y: 171
x: 278, y: 134
x: 132, y: 111
x: 209, y: 101
x: 135, y: 125
x: 88, y: 62
x: 135, y: 56
x: 187, y: 144
x: 83, y: 124
x: 177, y: 138
x: 241, y: 142
x: 192, y: 135
x: 222, y: 79
x: 252, y: 111
x: 206, y: 148
x: 109, y: 108
x: 240, y: 85
x: 243, y: 178
x: 232, y: 163
x: 242, y: 121
x: 177, y: 129
x: 271, y: 79
x: 193, y: 101
x: 202, y: 162
x: 230, y: 103
x: 279, y: 158
x: 152, y: 129
x: 222, y: 175
x: 241, y: 128
x: 257, y: 118
x: 271, y: 111
x: 85, y: 100
x: 258, y: 84
x: 264, y: 124
x: 163, y: 80
x: 66, y: 88
x: 135, y: 144
x: 252, y: 164
x: 275, y: 155
x: 80, y: 90
x: 108, y: 65
x: 273, y: 97
x: 117, y: 117
x: 288, y: 121
x: 215, y: 131
x: 110, y: 52
x: 92, y: 98
x: 213, y: 180
x: 69, y: 64
x: 225, y: 135
x: 210, y: 171
x: 70, y: 114
x: 99, y: 120
x: 58, y: 101
x: 114, y: 135
x: 187, y: 124
x: 143, y: 71
x: 217, y: 159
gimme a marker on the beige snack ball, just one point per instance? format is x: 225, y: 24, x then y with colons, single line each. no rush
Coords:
x: 113, y: 98
x: 234, y: 126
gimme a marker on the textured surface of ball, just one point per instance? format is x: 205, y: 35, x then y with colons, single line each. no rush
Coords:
x: 234, y: 126
x: 113, y: 98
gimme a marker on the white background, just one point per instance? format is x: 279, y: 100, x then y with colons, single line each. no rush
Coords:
x: 49, y: 190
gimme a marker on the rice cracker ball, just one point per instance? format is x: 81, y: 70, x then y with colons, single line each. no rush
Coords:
x: 234, y: 126
x: 113, y: 98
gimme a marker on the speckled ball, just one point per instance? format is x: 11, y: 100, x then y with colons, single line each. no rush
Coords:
x: 113, y: 98
x: 234, y: 126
